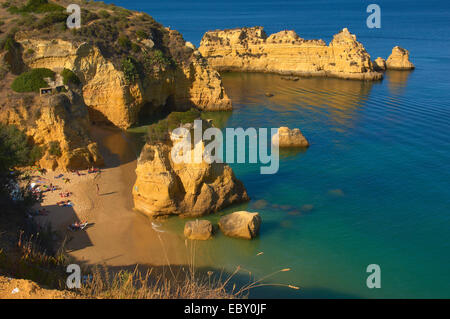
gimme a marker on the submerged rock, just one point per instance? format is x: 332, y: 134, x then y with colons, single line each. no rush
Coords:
x: 240, y: 224
x: 198, y: 230
x: 399, y: 60
x: 290, y: 138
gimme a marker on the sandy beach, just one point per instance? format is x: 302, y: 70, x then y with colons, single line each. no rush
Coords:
x: 116, y: 235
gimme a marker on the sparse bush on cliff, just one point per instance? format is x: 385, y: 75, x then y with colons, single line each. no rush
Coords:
x: 124, y: 42
x: 51, y: 19
x: 54, y: 148
x: 36, y: 6
x: 104, y: 14
x: 130, y: 69
x: 32, y: 81
x: 142, y: 34
x: 155, y: 60
x: 69, y: 77
x: 14, y: 148
x: 159, y: 132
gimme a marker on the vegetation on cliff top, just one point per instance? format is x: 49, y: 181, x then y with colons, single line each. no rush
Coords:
x: 69, y: 77
x: 159, y: 132
x: 33, y: 80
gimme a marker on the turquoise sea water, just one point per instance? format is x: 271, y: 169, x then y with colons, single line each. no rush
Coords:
x: 374, y: 187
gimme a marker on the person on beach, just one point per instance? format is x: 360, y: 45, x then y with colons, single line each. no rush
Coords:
x: 98, y: 189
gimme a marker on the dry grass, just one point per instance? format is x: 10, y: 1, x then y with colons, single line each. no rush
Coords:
x: 29, y: 261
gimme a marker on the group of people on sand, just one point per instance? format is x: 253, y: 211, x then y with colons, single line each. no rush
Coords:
x: 39, y: 190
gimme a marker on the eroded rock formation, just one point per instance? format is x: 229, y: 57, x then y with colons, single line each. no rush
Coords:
x: 399, y: 60
x: 165, y: 187
x: 108, y: 94
x: 60, y: 120
x: 251, y: 50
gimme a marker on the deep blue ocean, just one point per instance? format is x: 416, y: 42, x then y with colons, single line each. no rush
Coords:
x: 374, y: 186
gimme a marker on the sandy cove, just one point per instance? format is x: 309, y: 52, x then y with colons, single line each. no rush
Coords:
x: 116, y: 235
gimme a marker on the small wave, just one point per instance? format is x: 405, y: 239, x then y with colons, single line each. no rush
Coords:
x: 157, y: 227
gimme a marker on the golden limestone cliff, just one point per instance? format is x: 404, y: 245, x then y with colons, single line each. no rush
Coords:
x: 251, y: 50
x: 188, y: 189
x: 58, y: 124
x: 111, y: 98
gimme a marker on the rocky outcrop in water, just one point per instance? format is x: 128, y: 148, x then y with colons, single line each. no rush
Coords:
x: 251, y: 50
x: 164, y: 187
x: 240, y: 224
x: 290, y: 138
x: 198, y: 230
x: 399, y: 60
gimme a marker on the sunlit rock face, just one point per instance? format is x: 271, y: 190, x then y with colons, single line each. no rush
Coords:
x: 60, y: 119
x: 251, y: 50
x: 167, y: 187
x: 399, y: 60
x: 110, y: 98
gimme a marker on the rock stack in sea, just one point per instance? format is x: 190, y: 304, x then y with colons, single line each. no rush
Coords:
x: 250, y: 49
x: 399, y: 60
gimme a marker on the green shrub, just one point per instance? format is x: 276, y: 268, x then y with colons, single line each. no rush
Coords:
x: 54, y: 148
x: 130, y: 69
x: 14, y: 148
x: 156, y: 58
x: 176, y: 118
x: 124, y: 42
x: 141, y: 34
x: 135, y: 47
x: 159, y: 132
x: 32, y: 81
x: 69, y: 77
x: 36, y: 153
x: 36, y: 6
x: 52, y: 18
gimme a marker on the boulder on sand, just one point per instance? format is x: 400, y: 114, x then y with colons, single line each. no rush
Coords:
x: 198, y: 230
x: 240, y: 224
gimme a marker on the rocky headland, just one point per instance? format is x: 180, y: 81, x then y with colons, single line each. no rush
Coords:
x: 127, y: 67
x: 286, y: 53
x: 251, y: 50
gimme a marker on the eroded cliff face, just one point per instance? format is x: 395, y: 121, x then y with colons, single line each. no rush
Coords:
x: 164, y: 187
x: 251, y: 50
x: 61, y: 120
x: 111, y: 98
